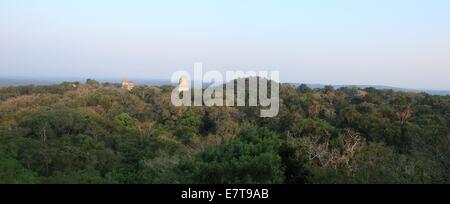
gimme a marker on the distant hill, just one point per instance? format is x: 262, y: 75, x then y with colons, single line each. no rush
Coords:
x: 379, y: 87
x: 16, y: 81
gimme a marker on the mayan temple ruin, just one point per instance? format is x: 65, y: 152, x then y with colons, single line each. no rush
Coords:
x: 183, y: 84
x: 127, y: 85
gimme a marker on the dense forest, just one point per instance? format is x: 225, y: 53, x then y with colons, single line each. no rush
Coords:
x: 99, y: 133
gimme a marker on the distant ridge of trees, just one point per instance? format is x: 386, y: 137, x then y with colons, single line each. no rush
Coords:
x: 20, y: 81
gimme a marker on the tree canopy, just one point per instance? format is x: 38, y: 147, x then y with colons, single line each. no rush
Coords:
x: 99, y: 133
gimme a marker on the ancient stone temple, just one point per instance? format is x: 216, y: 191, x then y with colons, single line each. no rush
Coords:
x: 127, y: 85
x: 183, y: 84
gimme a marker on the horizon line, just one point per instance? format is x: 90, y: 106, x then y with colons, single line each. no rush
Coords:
x: 59, y: 79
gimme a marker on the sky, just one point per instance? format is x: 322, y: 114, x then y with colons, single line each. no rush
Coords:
x: 403, y: 43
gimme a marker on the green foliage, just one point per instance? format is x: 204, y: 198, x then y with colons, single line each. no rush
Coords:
x: 188, y: 126
x: 11, y: 171
x: 252, y: 157
x: 99, y: 133
x: 92, y: 82
x: 125, y: 121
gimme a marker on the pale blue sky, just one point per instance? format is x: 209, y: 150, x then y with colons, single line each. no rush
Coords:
x: 402, y: 43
